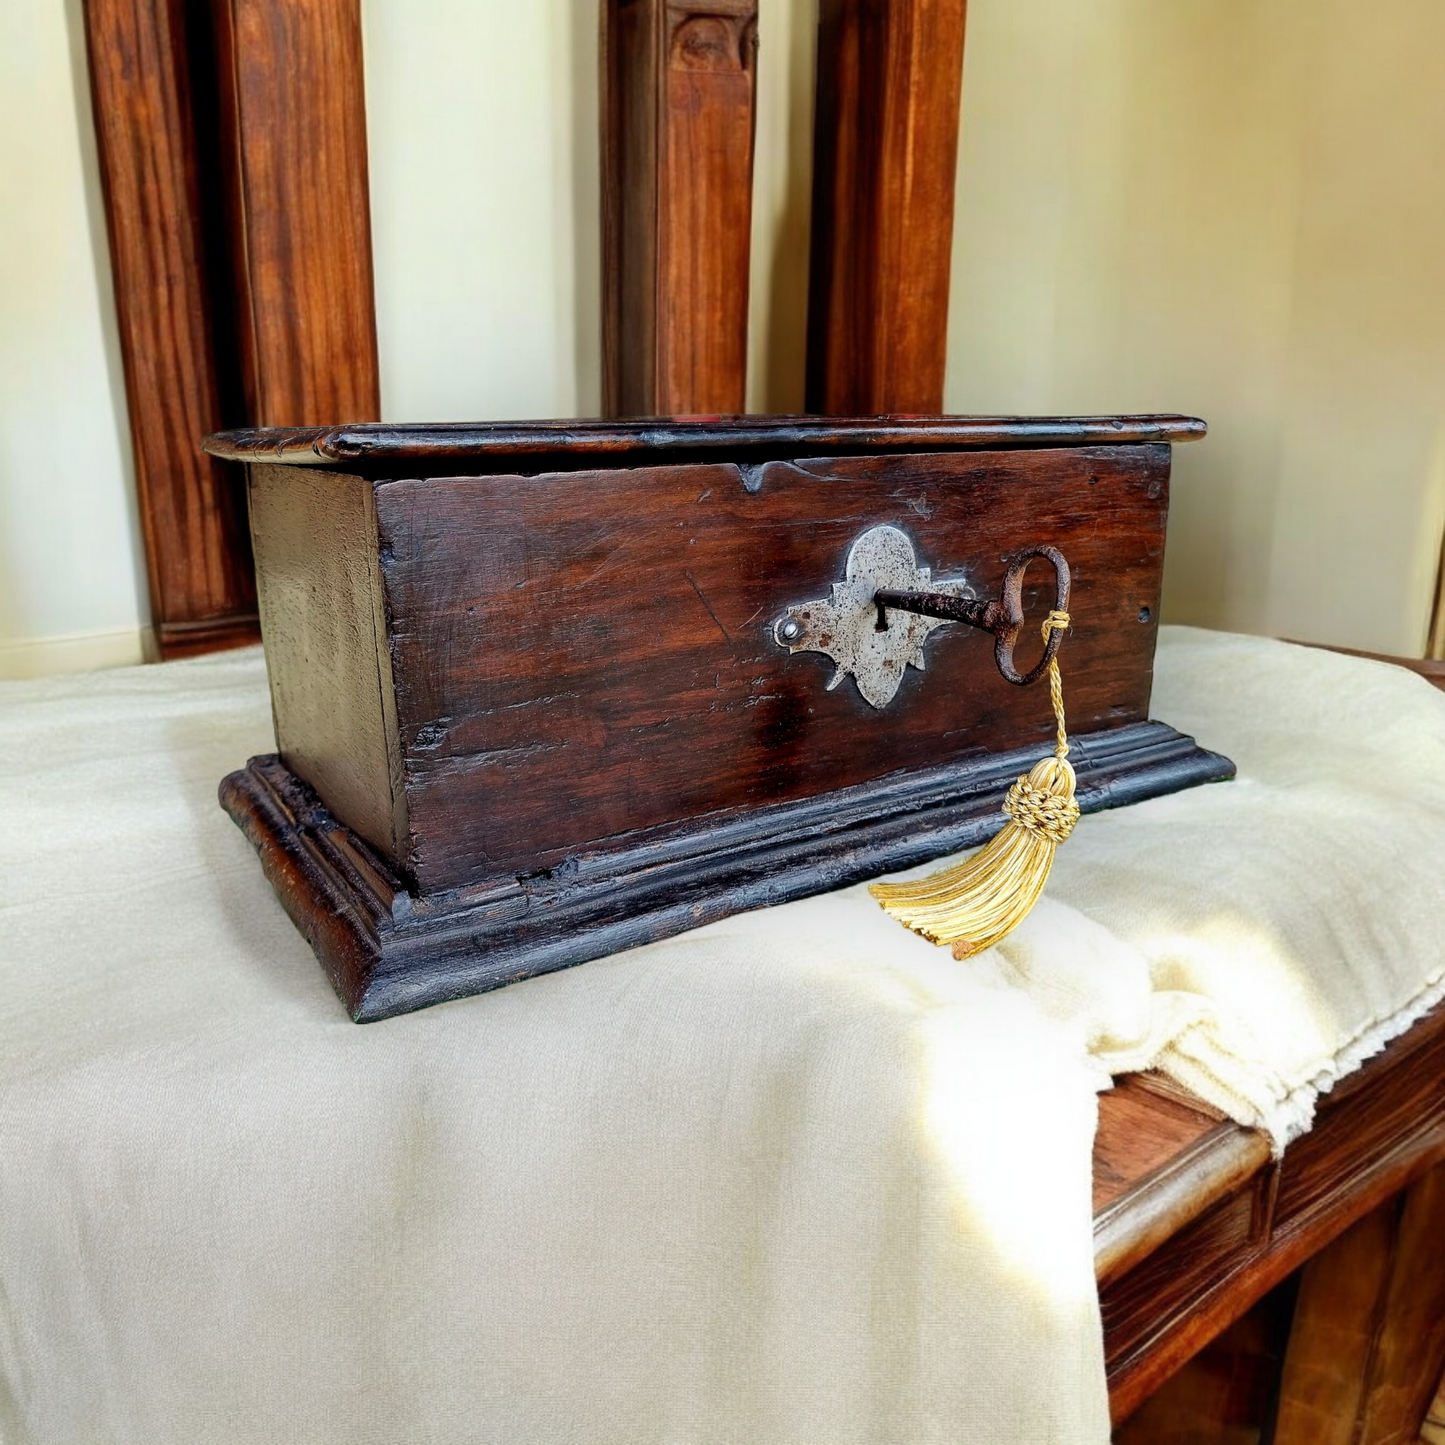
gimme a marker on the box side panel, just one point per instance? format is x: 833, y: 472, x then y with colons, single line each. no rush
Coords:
x: 324, y: 626
x: 583, y: 659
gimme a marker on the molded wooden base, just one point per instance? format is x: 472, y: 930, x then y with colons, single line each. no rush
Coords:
x: 388, y: 950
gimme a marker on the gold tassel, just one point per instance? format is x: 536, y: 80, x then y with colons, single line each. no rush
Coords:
x: 983, y: 899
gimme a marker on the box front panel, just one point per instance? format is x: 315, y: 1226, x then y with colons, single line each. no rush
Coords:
x: 580, y: 658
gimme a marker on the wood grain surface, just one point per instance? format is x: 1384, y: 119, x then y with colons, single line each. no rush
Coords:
x: 1433, y: 1431
x: 1375, y: 1134
x: 1226, y: 1394
x: 327, y: 658
x: 678, y: 97
x: 192, y: 506
x: 233, y: 157
x: 1328, y: 1365
x: 606, y: 637
x: 885, y: 148
x: 1161, y: 1159
x: 1343, y: 1352
x: 1368, y: 1341
x: 456, y: 448
x: 293, y: 126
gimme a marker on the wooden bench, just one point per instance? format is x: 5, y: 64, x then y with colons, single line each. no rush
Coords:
x: 1195, y: 1221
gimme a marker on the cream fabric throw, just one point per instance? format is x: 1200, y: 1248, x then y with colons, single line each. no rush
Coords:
x: 1259, y: 939
x: 796, y: 1177
x: 760, y: 1184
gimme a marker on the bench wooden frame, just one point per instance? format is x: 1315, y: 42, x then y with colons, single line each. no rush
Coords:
x: 1195, y: 1221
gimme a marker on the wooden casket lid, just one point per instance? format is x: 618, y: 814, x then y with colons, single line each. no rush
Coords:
x: 650, y: 439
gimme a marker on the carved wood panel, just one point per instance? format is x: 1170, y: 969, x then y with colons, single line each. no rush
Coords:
x: 677, y: 162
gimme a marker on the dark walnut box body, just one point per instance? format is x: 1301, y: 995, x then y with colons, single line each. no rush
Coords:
x: 533, y: 695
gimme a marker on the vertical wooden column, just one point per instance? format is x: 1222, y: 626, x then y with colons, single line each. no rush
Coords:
x: 890, y: 74
x: 677, y: 165
x: 1225, y: 1395
x: 233, y: 159
x: 293, y: 132
x: 192, y: 509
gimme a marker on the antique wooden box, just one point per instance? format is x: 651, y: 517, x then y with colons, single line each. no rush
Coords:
x: 544, y: 691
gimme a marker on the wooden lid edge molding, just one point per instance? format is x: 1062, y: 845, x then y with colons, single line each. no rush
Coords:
x: 377, y: 441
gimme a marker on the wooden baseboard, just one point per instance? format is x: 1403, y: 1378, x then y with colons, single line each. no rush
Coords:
x: 214, y: 634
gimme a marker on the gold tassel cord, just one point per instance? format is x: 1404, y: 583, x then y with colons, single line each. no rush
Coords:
x: 983, y: 899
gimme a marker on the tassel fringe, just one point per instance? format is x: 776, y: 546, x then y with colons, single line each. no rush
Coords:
x: 977, y: 902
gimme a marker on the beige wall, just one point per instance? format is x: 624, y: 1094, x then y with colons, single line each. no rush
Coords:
x: 1229, y: 207
x: 482, y: 127
x: 1234, y: 208
x: 782, y: 199
x: 72, y: 589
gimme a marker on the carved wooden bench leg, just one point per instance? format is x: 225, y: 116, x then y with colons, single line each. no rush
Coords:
x: 1368, y: 1341
x: 1225, y: 1395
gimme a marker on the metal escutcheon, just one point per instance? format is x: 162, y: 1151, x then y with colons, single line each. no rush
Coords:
x: 877, y: 619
